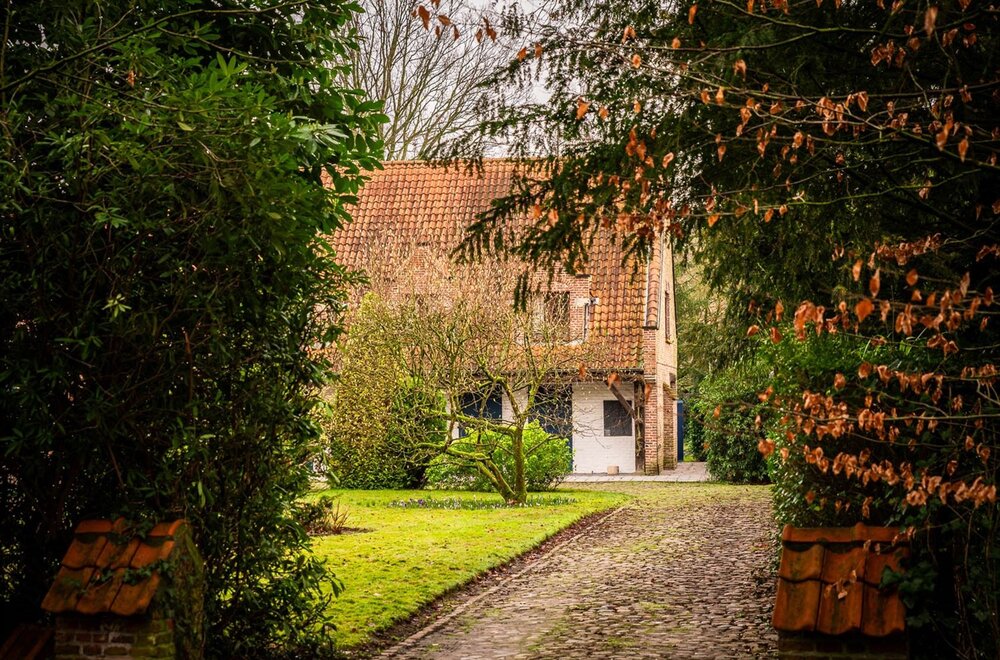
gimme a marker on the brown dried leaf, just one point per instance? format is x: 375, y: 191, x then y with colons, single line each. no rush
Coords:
x: 930, y: 20
x: 863, y: 309
x: 875, y: 283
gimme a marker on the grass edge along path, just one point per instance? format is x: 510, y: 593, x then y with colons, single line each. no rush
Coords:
x: 411, y: 555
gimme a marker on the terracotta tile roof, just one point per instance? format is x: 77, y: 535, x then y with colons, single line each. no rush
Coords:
x: 108, y: 569
x: 829, y: 580
x: 430, y: 207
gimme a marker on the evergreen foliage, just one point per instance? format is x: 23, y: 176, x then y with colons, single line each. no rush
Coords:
x: 163, y: 281
x: 378, y: 413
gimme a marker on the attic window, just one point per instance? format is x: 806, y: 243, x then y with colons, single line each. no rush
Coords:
x: 552, y: 315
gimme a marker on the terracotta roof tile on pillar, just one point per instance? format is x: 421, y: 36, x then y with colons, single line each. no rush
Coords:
x: 103, y: 569
x: 829, y: 581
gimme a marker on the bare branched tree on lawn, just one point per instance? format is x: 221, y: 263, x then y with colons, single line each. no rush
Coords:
x: 455, y: 336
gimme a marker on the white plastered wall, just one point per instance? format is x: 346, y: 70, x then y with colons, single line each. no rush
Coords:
x: 593, y: 452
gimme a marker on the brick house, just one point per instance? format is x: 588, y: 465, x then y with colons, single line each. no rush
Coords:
x: 623, y: 410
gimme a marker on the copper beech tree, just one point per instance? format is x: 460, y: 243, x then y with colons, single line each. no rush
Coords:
x: 768, y: 136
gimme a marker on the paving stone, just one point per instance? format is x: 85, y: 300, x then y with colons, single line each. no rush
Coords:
x: 654, y: 580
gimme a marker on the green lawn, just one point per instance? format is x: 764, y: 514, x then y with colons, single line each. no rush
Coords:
x: 411, y: 555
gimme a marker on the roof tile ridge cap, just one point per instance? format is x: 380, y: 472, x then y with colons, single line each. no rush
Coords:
x: 439, y: 164
x: 94, y: 526
x: 167, y: 530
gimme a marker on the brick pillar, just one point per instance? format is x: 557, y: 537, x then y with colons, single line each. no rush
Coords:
x: 668, y: 438
x: 651, y: 427
x: 83, y: 637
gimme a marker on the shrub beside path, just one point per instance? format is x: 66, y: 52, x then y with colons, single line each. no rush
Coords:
x: 683, y: 571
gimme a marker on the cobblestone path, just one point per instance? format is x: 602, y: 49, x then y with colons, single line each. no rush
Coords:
x: 685, y: 571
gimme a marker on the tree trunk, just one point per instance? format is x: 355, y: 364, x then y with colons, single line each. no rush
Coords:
x: 492, y: 472
x: 520, y: 485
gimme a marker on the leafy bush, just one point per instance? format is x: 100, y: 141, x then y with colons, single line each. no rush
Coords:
x: 694, y: 435
x: 942, y: 588
x: 378, y: 415
x: 547, y: 460
x: 322, y: 516
x: 365, y: 462
x: 162, y: 279
x: 725, y: 409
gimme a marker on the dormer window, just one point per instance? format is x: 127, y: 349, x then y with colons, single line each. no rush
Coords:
x: 551, y: 316
x: 557, y: 313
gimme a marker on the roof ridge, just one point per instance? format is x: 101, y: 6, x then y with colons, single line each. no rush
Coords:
x: 437, y: 163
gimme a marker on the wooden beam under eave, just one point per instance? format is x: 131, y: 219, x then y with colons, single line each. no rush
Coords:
x: 613, y: 386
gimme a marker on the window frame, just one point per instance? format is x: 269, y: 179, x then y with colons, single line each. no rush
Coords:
x: 624, y: 421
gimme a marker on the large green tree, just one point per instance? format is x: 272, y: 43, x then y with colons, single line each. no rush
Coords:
x: 841, y: 155
x: 163, y: 282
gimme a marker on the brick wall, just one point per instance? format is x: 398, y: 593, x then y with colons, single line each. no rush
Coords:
x: 651, y: 427
x: 79, y: 637
x: 668, y: 439
x: 813, y: 646
x: 660, y: 345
